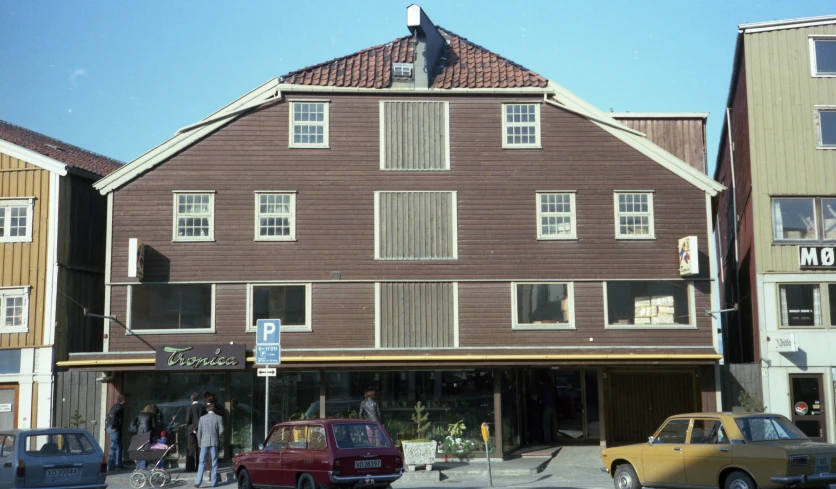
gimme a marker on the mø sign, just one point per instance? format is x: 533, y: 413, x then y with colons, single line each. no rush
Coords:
x: 817, y: 257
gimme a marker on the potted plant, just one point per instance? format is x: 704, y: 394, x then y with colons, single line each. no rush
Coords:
x: 455, y: 443
x: 420, y: 450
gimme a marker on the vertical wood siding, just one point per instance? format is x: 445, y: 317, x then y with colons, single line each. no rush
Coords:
x: 683, y: 138
x: 414, y: 135
x: 416, y: 225
x: 25, y: 264
x: 782, y: 94
x: 417, y: 315
x: 77, y: 398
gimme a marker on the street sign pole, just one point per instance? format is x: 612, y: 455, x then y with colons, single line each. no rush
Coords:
x: 268, y: 350
x: 266, y: 406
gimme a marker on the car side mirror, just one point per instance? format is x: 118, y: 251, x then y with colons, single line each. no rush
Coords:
x: 650, y: 440
x: 261, y: 446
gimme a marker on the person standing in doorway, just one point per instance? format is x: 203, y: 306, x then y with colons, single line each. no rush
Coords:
x: 193, y: 414
x: 113, y: 423
x: 547, y: 398
x: 209, y: 431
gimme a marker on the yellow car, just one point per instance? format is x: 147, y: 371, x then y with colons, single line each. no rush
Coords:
x: 725, y: 450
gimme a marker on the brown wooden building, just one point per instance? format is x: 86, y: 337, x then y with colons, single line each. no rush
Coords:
x: 453, y: 238
x: 52, y: 240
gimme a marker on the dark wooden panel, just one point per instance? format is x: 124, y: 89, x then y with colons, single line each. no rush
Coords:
x: 682, y: 137
x: 77, y: 400
x: 417, y: 315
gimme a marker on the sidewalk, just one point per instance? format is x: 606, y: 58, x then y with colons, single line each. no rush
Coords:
x: 570, y: 467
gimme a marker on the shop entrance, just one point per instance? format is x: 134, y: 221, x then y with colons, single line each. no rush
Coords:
x: 808, y: 411
x: 560, y: 406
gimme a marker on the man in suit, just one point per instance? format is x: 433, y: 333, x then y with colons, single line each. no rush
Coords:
x: 209, y: 431
x: 193, y: 414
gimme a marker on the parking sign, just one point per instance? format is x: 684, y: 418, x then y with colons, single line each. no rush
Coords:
x: 268, y: 348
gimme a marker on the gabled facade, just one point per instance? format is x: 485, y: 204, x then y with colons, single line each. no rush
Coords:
x: 453, y: 239
x: 52, y: 230
x: 775, y: 225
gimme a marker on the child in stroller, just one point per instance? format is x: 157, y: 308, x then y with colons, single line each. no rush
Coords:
x: 144, y: 448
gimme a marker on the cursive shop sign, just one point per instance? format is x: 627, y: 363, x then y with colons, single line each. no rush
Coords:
x: 201, y: 357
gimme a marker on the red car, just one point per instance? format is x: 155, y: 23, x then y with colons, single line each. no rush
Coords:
x: 317, y: 453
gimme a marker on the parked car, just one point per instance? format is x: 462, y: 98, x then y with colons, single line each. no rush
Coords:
x: 51, y: 457
x: 725, y: 450
x: 309, y: 454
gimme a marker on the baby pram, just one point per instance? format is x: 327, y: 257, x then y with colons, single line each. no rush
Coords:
x: 155, y: 474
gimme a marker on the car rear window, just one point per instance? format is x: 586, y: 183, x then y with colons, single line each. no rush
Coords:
x: 767, y: 428
x: 360, y: 435
x: 57, y: 444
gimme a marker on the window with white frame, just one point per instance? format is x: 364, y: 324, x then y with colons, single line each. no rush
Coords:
x: 649, y: 303
x: 521, y: 125
x: 542, y: 305
x: 171, y: 307
x: 634, y: 215
x: 289, y: 302
x: 275, y: 218
x: 16, y: 219
x: 801, y: 305
x: 309, y: 124
x: 823, y: 55
x: 825, y: 122
x: 810, y: 219
x: 556, y: 215
x: 194, y: 216
x: 14, y: 309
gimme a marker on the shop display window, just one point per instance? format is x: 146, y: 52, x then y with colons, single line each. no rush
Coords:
x: 656, y: 304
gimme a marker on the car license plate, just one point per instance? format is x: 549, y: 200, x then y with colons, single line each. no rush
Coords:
x: 62, y: 473
x: 822, y: 465
x: 366, y: 464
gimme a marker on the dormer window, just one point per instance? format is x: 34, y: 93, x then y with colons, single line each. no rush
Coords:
x: 402, y: 70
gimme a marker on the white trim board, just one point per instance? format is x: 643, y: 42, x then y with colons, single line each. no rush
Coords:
x: 777, y: 25
x: 29, y: 156
x: 659, y: 115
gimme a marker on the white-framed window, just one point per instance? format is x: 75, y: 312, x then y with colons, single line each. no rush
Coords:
x: 556, y: 215
x: 194, y: 215
x: 16, y: 219
x: 309, y: 124
x: 521, y: 125
x: 14, y: 309
x: 543, y: 305
x: 800, y: 305
x: 275, y: 216
x: 634, y: 215
x: 291, y: 303
x: 825, y: 123
x: 651, y: 304
x: 803, y: 219
x: 823, y: 56
x: 171, y: 308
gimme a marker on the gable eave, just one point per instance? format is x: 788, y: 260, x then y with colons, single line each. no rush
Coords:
x: 184, y: 138
x: 32, y: 157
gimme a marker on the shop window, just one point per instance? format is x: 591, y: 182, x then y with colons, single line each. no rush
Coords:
x: 648, y: 304
x: 158, y: 308
x: 289, y: 303
x: 543, y: 305
x: 800, y: 304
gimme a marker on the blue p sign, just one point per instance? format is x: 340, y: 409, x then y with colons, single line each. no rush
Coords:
x: 268, y: 332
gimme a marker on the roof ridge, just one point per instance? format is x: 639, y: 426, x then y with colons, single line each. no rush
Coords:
x: 62, y: 143
x: 340, y: 58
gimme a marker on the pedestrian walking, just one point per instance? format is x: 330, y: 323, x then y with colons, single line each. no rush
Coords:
x: 113, y: 423
x: 144, y: 422
x: 193, y: 415
x: 209, y: 431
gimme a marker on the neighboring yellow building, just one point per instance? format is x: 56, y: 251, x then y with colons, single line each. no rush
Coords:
x: 52, y: 241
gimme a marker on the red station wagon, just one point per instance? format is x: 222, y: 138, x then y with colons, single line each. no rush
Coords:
x: 318, y: 453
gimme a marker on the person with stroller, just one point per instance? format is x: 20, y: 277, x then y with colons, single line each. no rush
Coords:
x: 144, y: 422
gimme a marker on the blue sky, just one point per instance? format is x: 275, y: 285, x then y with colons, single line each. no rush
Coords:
x: 119, y: 77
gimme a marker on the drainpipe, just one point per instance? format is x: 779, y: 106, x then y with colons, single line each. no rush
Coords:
x: 736, y: 243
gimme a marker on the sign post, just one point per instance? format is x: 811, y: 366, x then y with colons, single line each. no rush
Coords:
x: 268, y: 349
x: 486, y: 434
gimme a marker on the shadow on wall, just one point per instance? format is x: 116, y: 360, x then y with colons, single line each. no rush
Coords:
x: 157, y: 266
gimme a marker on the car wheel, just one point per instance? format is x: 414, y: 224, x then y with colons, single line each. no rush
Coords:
x: 739, y: 480
x: 138, y: 480
x: 625, y: 478
x: 306, y: 481
x: 244, y: 480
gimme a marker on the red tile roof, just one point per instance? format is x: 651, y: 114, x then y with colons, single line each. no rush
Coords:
x: 463, y: 65
x: 58, y: 150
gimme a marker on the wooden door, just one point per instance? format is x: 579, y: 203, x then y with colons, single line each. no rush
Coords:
x: 639, y: 401
x: 807, y: 405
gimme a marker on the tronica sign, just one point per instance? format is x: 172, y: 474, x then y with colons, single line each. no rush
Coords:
x: 817, y: 257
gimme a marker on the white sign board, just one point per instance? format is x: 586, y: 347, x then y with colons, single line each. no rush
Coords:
x: 266, y: 372
x: 783, y: 343
x: 136, y: 259
x: 689, y: 262
x: 816, y: 257
x: 5, y: 408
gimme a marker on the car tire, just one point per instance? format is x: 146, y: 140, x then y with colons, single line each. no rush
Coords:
x: 739, y: 480
x: 244, y: 480
x: 306, y: 481
x: 625, y: 477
